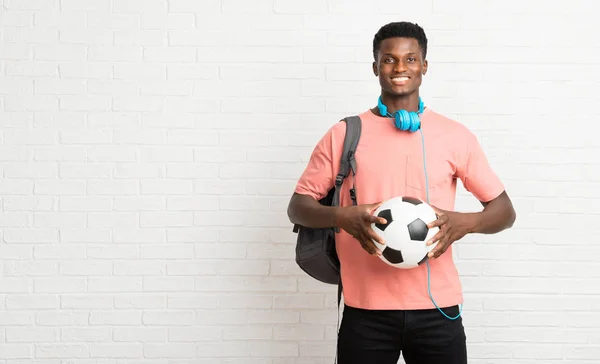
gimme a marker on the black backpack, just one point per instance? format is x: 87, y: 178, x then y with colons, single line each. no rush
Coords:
x: 315, y: 248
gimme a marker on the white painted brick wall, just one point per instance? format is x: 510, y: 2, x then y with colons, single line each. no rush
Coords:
x: 149, y: 148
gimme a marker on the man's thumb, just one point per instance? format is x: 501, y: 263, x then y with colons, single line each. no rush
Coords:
x: 375, y: 206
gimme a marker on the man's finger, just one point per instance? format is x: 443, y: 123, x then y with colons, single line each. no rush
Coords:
x: 369, y: 239
x: 438, y: 211
x: 374, y: 236
x: 373, y: 207
x: 367, y: 243
x: 377, y: 251
x: 445, y: 246
x: 372, y: 249
x: 376, y: 205
x: 435, y: 238
x: 434, y: 253
x: 377, y: 220
x: 441, y: 247
x: 434, y: 223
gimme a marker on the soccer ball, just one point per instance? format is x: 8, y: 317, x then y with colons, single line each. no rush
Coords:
x: 405, y: 234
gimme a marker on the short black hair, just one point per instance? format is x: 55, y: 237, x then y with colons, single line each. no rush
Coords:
x: 400, y: 29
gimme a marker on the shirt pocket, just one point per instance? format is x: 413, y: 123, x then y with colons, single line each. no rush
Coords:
x: 440, y: 172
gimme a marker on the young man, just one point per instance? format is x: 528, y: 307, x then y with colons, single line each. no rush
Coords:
x: 388, y: 311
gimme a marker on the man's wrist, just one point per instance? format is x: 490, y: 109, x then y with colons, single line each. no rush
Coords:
x: 475, y: 219
x: 335, y: 212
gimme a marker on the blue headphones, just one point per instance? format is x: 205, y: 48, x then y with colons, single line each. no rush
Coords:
x: 404, y: 120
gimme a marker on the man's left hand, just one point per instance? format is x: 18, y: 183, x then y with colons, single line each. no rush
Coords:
x: 453, y: 226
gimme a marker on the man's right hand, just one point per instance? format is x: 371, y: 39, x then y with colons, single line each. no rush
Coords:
x: 357, y: 220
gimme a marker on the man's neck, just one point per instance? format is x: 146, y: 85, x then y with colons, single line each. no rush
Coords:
x: 394, y: 103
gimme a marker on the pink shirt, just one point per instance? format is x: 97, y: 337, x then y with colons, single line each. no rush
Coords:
x: 390, y: 164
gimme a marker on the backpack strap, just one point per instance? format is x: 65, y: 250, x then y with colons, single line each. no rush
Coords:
x: 348, y: 161
x: 347, y: 164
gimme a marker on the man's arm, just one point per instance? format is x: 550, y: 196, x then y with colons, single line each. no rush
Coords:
x: 497, y: 215
x: 478, y: 178
x: 306, y: 211
x: 355, y: 220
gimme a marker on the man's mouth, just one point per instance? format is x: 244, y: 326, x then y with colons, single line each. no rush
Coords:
x: 400, y: 80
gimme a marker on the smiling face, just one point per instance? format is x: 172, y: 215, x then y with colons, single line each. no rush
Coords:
x: 400, y: 66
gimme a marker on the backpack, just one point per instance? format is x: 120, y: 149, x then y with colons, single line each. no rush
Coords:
x: 315, y: 247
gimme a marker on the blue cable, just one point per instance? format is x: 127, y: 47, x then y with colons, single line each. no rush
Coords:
x: 427, y: 262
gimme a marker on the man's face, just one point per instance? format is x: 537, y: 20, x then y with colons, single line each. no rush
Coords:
x: 400, y: 66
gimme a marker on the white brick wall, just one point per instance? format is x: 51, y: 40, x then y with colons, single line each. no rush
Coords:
x: 149, y: 149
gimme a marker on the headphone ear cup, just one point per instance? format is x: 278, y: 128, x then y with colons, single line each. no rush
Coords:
x: 407, y: 121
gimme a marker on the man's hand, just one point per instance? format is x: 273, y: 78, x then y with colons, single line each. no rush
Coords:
x: 453, y: 226
x: 357, y: 220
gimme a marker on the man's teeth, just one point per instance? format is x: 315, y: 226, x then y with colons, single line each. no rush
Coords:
x: 400, y: 78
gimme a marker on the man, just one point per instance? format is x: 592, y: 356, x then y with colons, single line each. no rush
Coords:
x: 389, y: 311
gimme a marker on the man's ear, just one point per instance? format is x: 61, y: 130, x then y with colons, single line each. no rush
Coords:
x: 375, y: 71
x: 425, y: 66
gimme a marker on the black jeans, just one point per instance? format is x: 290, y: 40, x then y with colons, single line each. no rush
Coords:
x: 421, y: 336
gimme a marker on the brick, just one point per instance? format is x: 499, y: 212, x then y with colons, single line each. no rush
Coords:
x: 96, y: 268
x: 32, y: 335
x: 161, y: 318
x: 64, y: 318
x: 118, y: 350
x: 35, y: 170
x: 245, y: 284
x: 192, y: 300
x: 116, y: 318
x: 194, y: 6
x: 148, y: 6
x: 59, y: 187
x: 32, y: 302
x: 17, y: 18
x: 85, y: 334
x: 111, y: 87
x: 166, y: 187
x: 137, y: 236
x: 247, y: 332
x: 60, y: 285
x: 23, y: 235
x: 113, y: 187
x: 143, y: 103
x: 29, y: 138
x: 140, y: 334
x: 143, y: 268
x: 99, y: 203
x: 19, y: 154
x: 170, y: 350
x: 16, y: 187
x: 15, y: 285
x: 60, y: 154
x: 168, y: 21
x: 167, y: 251
x: 16, y: 351
x: 308, y: 7
x: 116, y: 284
x: 18, y: 318
x: 86, y: 301
x: 112, y: 219
x: 166, y: 219
x: 168, y: 284
x: 140, y: 301
x: 194, y: 334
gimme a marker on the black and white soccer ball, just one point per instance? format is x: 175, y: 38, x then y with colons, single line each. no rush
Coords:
x: 406, y: 233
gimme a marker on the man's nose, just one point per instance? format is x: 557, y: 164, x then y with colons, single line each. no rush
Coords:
x: 400, y: 66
